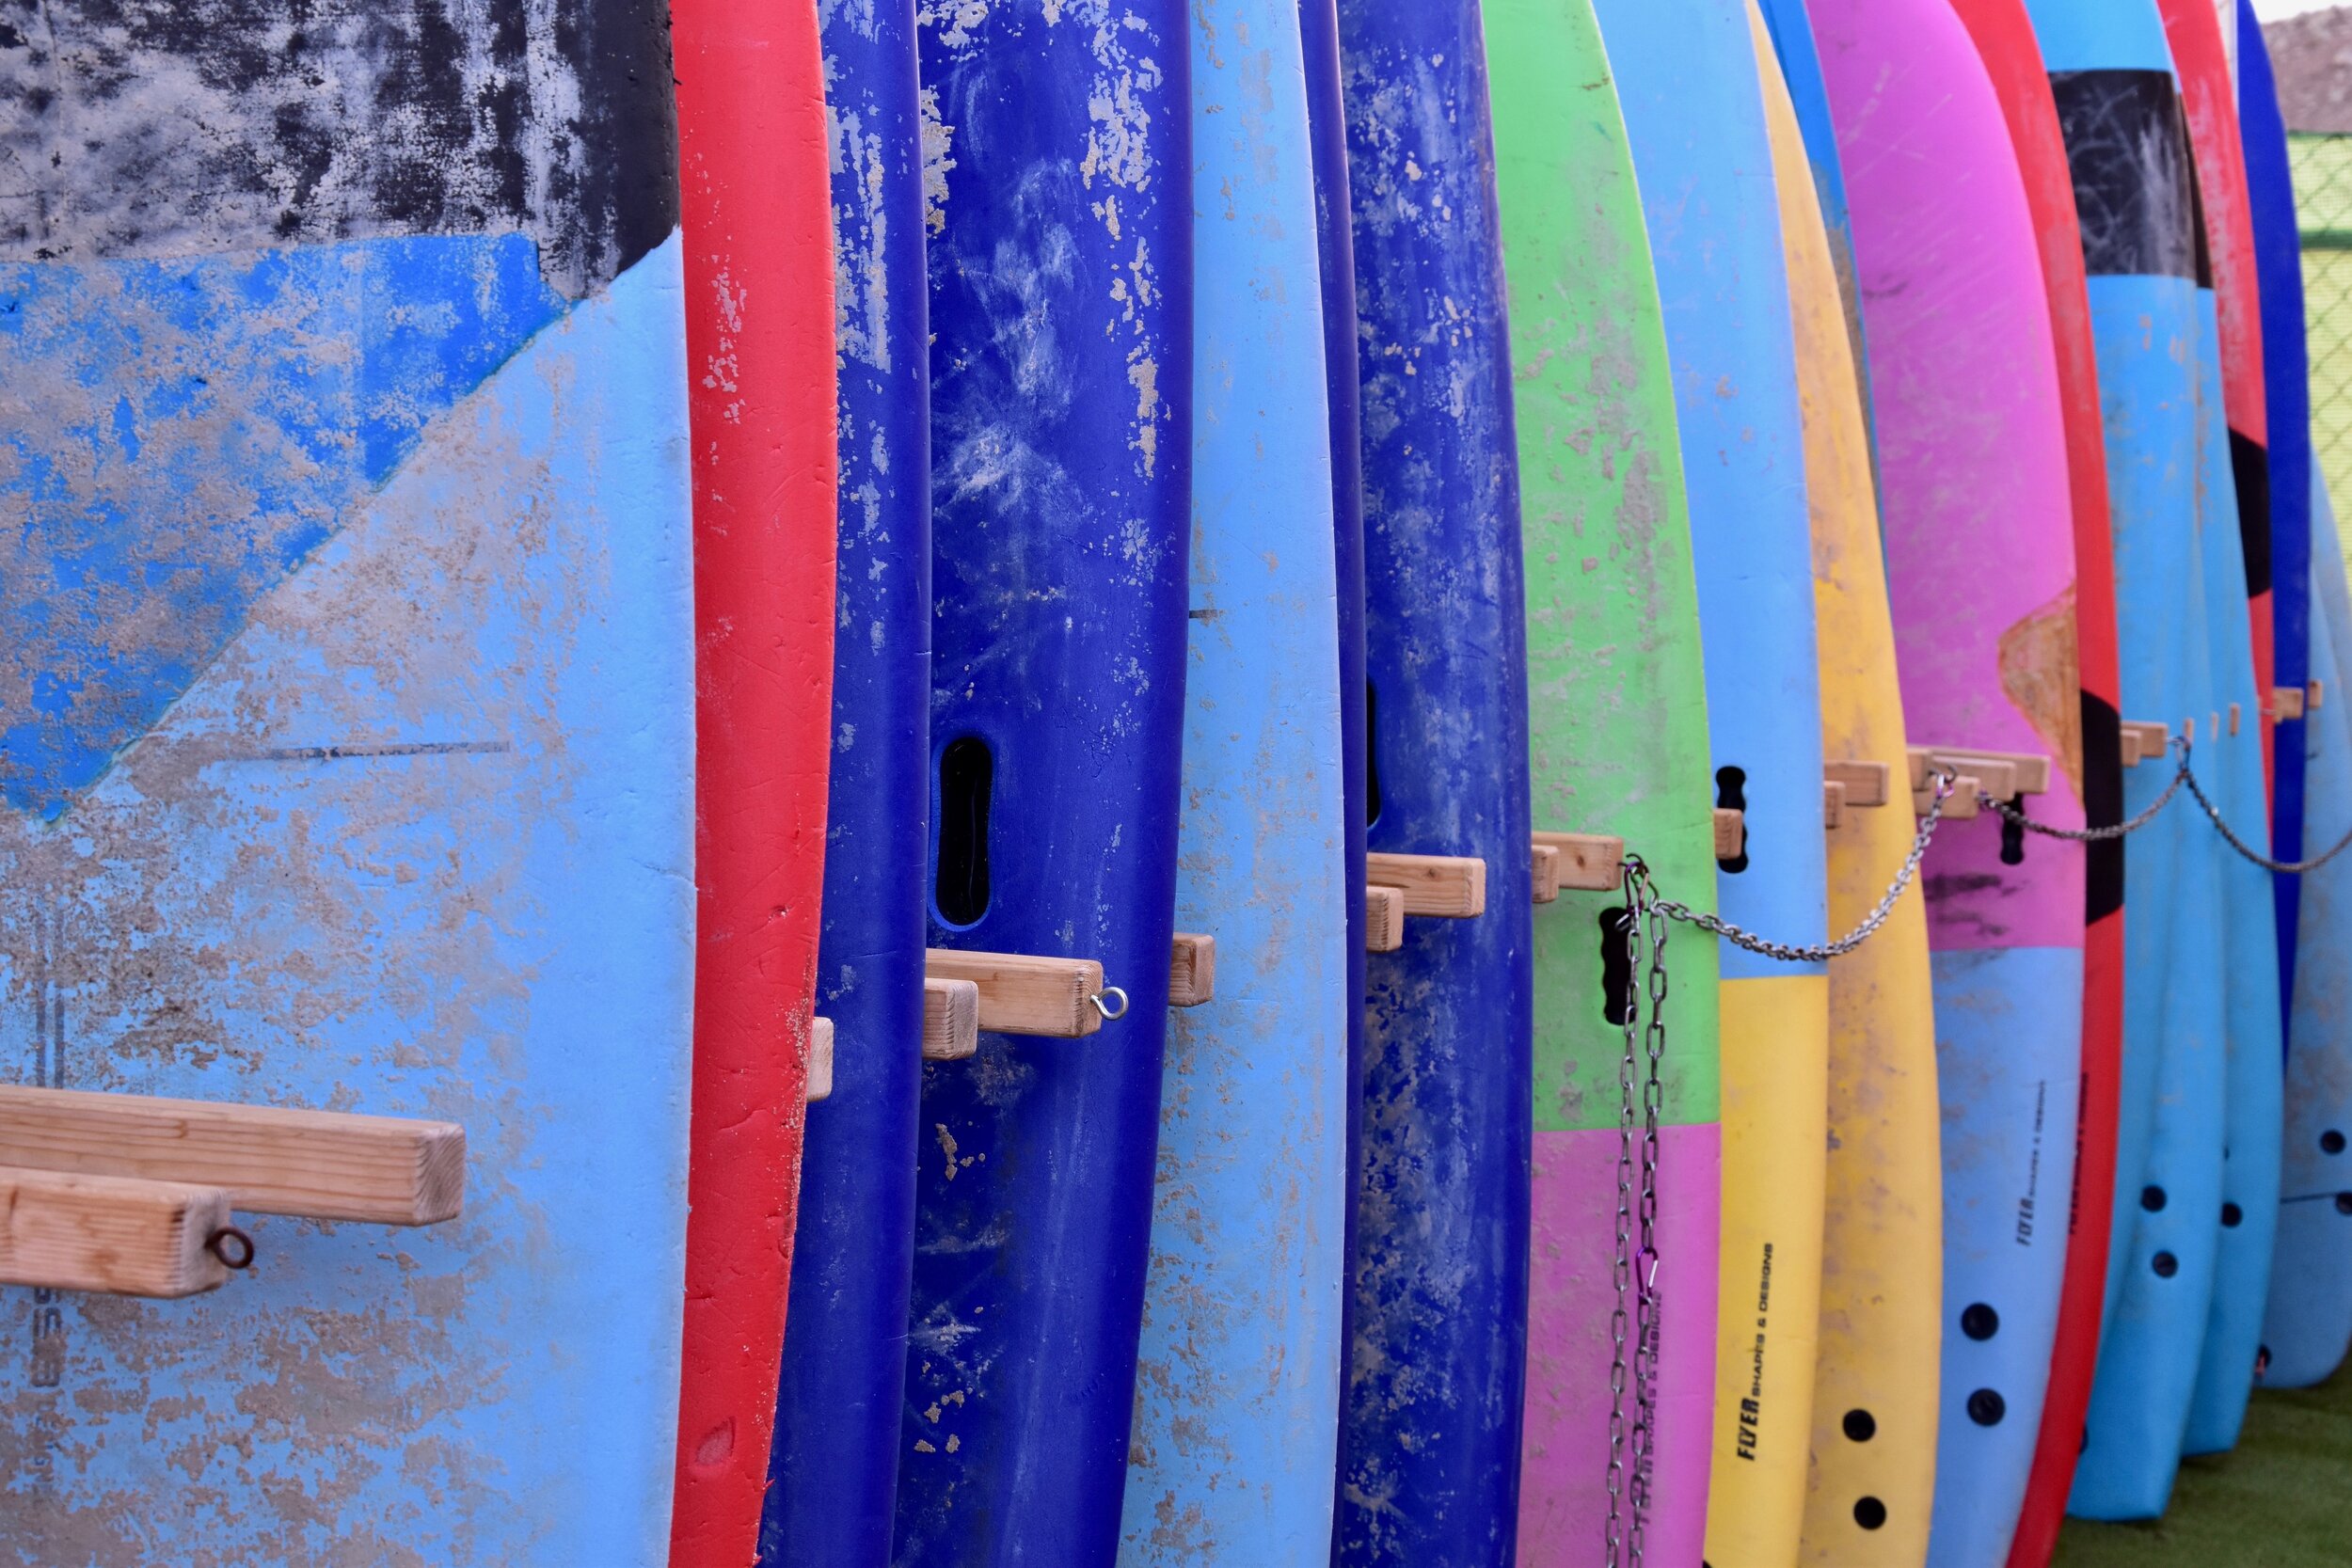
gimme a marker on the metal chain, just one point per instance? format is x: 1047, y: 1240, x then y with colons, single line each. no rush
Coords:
x: 2291, y: 867
x: 1791, y: 952
x: 1647, y: 1314
x: 1636, y: 878
x: 2095, y: 835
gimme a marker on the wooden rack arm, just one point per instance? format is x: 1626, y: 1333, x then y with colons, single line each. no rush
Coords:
x: 1022, y: 993
x: 1867, y: 784
x: 1449, y: 887
x: 951, y: 1019
x: 1731, y: 832
x: 321, y: 1165
x: 1384, y: 919
x: 123, y: 1235
x: 1833, y: 802
x: 1589, y: 862
x: 1191, y: 970
x: 819, y: 1059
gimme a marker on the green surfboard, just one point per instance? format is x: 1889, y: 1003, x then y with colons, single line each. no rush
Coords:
x: 1617, y: 711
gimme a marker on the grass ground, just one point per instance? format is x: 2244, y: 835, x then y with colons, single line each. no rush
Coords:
x: 2283, y: 1499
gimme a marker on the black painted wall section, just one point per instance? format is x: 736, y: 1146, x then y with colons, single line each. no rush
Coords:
x: 169, y: 127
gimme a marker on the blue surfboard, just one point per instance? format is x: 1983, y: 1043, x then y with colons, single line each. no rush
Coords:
x: 1430, y: 1424
x: 2111, y: 74
x: 834, y: 1467
x: 348, y: 723
x: 2228, y: 760
x: 1058, y: 204
x: 1327, y: 133
x: 2309, y: 1322
x: 2286, y: 387
x: 1233, y: 1454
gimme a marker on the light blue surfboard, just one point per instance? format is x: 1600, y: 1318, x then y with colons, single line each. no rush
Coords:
x: 2118, y: 100
x: 346, y: 742
x: 2308, y: 1321
x: 2229, y: 762
x: 1230, y: 1459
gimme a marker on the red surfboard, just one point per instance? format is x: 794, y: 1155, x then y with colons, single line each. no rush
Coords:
x: 760, y: 334
x: 2004, y: 38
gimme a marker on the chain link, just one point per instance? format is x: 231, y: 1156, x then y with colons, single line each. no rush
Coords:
x: 2291, y: 867
x: 1635, y: 877
x: 1791, y: 952
x: 2097, y: 835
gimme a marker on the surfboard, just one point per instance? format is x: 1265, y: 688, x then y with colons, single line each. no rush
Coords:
x: 1059, y: 251
x: 1617, y: 699
x: 2309, y: 1322
x: 2286, y: 396
x: 2003, y: 35
x: 2236, y: 743
x: 1715, y: 240
x: 1232, y: 1452
x: 2118, y: 104
x: 757, y: 220
x: 1954, y: 301
x: 1326, y: 135
x: 1800, y: 63
x: 1872, y: 1445
x: 352, y: 762
x: 1430, y: 1418
x: 1759, y: 1503
x: 833, y: 1471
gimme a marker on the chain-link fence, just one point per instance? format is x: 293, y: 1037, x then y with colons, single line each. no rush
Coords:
x: 2322, y: 211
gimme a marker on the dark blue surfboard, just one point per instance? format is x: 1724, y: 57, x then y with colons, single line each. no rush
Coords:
x: 2286, y: 387
x: 1430, y: 1436
x: 832, y: 1470
x: 1326, y: 136
x: 1059, y: 203
x: 2119, y: 103
x: 348, y: 743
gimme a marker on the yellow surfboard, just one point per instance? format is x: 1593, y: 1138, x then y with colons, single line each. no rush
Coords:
x: 1865, y: 1501
x: 1775, y: 1072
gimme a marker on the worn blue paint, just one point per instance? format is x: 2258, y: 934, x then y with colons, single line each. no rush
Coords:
x: 2308, y: 1323
x: 834, y: 1467
x: 1233, y: 1454
x: 2286, y: 387
x: 417, y: 838
x: 198, y: 425
x: 1430, y: 1436
x: 1686, y: 77
x: 1060, y: 195
x: 2244, y: 1123
x: 2008, y: 1132
x: 1327, y: 133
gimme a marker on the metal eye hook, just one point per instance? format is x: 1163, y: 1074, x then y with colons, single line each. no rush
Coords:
x: 229, y: 1239
x: 1104, y: 1007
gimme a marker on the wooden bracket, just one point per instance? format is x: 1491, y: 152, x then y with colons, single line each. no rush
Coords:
x: 1833, y: 802
x: 2286, y: 702
x: 2316, y: 692
x: 2002, y: 775
x: 1731, y: 833
x: 1958, y: 806
x: 125, y: 1235
x: 1450, y: 887
x: 952, y: 1019
x: 1021, y: 993
x: 1384, y: 919
x: 2143, y: 739
x: 321, y: 1165
x: 819, y: 1059
x: 1867, y: 784
x: 1191, y: 970
x: 1545, y: 858
x: 1588, y: 862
